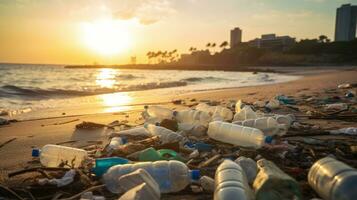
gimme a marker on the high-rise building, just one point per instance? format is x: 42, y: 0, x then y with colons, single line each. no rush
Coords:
x: 273, y: 42
x: 236, y: 37
x: 346, y: 20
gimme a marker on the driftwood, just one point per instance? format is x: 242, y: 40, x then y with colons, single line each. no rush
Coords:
x: 7, y: 142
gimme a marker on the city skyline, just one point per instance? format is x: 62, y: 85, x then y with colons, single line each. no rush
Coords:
x: 52, y: 31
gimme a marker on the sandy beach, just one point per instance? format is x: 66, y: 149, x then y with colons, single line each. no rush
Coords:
x: 61, y: 130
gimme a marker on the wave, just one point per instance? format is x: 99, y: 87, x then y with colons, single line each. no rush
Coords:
x: 12, y: 91
x: 127, y: 76
x: 200, y: 79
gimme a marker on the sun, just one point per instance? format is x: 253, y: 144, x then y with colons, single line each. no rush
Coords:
x: 107, y: 37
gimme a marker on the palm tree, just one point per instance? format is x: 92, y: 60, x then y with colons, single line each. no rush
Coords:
x: 208, y: 45
x: 323, y: 38
x: 223, y: 45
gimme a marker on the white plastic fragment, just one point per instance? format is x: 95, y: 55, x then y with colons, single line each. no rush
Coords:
x: 207, y: 183
x: 65, y: 180
x: 140, y: 192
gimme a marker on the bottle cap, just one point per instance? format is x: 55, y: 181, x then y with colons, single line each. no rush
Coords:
x: 124, y: 140
x: 35, y: 152
x: 268, y: 139
x: 174, y: 113
x: 195, y: 175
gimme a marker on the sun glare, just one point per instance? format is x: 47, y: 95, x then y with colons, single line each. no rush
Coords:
x: 107, y: 37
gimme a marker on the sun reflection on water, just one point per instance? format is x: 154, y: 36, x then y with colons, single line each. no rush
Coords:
x: 116, y: 102
x: 106, y: 78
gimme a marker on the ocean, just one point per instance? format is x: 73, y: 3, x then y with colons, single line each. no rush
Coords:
x: 36, y: 91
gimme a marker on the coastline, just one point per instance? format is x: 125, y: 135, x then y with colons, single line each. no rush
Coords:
x: 36, y: 133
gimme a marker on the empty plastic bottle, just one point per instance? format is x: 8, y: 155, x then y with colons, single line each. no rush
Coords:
x: 150, y: 154
x: 158, y: 112
x: 115, y: 142
x: 333, y: 180
x: 192, y: 117
x: 236, y: 134
x: 218, y: 113
x: 103, y: 164
x: 268, y: 125
x: 287, y: 120
x: 140, y: 130
x: 231, y: 182
x: 54, y: 155
x: 239, y: 106
x: 166, y: 135
x: 192, y: 129
x: 172, y: 176
x: 272, y: 183
x: 249, y: 166
x: 244, y: 114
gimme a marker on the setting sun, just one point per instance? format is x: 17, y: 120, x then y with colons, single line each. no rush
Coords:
x: 107, y: 37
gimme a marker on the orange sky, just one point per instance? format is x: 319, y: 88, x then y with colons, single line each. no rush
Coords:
x: 52, y: 31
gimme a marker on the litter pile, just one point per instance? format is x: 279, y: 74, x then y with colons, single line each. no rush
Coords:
x: 220, y: 150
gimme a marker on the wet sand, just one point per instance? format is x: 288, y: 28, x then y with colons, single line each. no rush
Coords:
x: 36, y: 133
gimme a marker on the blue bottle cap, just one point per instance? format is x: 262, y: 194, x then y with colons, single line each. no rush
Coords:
x: 195, y: 175
x: 35, y: 152
x: 268, y: 139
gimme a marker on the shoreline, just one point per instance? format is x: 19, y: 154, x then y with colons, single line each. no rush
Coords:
x: 37, y: 133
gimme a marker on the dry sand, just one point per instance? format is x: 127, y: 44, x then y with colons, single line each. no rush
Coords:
x: 37, y: 133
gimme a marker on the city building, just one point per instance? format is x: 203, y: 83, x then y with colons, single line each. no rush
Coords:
x: 236, y: 37
x: 346, y: 19
x: 273, y: 42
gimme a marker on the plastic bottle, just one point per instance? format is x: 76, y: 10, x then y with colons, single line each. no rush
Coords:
x: 150, y: 154
x: 231, y: 182
x: 347, y: 131
x: 333, y: 180
x: 54, y: 155
x: 103, y: 164
x: 192, y: 117
x: 115, y: 142
x: 172, y: 176
x: 217, y: 112
x: 140, y: 192
x: 140, y: 130
x: 159, y: 112
x: 268, y: 125
x: 166, y: 135
x: 272, y: 183
x: 273, y: 104
x: 249, y: 166
x: 287, y: 120
x: 244, y: 114
x: 236, y: 135
x: 192, y: 129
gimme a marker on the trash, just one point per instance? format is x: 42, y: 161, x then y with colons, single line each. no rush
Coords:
x: 169, y: 124
x: 285, y: 119
x: 103, y: 164
x: 259, y: 104
x: 138, y: 177
x: 346, y: 131
x: 157, y: 112
x: 195, y: 117
x: 210, y: 161
x: 172, y: 176
x: 333, y: 180
x: 65, y: 180
x: 217, y: 112
x: 140, y: 192
x: 89, y: 126
x: 90, y: 196
x: 150, y: 154
x: 344, y: 86
x: 4, y: 121
x: 239, y: 105
x: 203, y: 147
x: 166, y: 135
x: 192, y: 129
x: 236, y: 135
x: 207, y: 183
x: 249, y: 167
x: 268, y: 125
x: 56, y: 155
x: 245, y: 114
x: 115, y: 142
x: 336, y: 107
x: 285, y: 100
x: 350, y: 94
x: 134, y: 132
x: 273, y: 104
x: 271, y: 183
x: 231, y: 182
x: 194, y: 154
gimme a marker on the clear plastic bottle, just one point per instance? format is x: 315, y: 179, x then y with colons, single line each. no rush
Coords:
x: 245, y: 113
x: 333, y: 180
x: 192, y: 129
x: 166, y: 135
x: 268, y: 125
x: 115, y: 142
x: 159, y: 112
x: 140, y: 130
x: 249, y: 166
x: 217, y: 112
x: 54, y: 155
x: 231, y: 182
x: 172, y: 176
x: 193, y: 117
x: 236, y: 134
x: 285, y: 119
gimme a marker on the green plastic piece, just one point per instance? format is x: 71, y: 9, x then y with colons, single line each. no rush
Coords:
x: 150, y: 154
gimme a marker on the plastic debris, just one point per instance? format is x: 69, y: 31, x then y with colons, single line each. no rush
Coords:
x: 245, y: 114
x: 344, y: 86
x: 103, y: 164
x: 65, y: 180
x: 346, y: 131
x: 273, y: 104
x: 207, y: 183
x: 90, y: 196
x: 336, y: 107
x: 285, y: 100
x: 140, y: 192
x: 249, y: 167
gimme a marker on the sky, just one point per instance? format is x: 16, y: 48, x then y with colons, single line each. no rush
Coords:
x: 112, y: 31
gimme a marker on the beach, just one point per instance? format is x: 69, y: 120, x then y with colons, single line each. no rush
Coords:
x: 61, y: 129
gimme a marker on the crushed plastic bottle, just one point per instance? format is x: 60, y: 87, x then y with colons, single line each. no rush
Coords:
x: 236, y: 135
x: 249, y: 166
x: 195, y: 117
x: 166, y: 135
x: 140, y: 130
x: 158, y: 112
x: 65, y: 180
x: 231, y: 182
x: 192, y: 129
x: 55, y: 155
x: 131, y: 180
x: 140, y: 192
x: 218, y: 113
x: 245, y: 114
x: 115, y: 143
x: 333, y: 180
x: 346, y: 131
x: 207, y: 183
x: 172, y: 176
x: 273, y: 104
x: 103, y: 164
x: 268, y: 125
x: 272, y: 183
